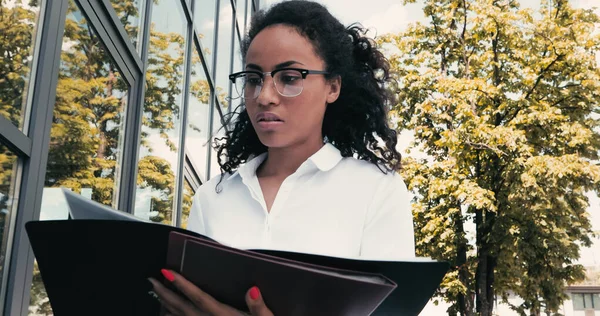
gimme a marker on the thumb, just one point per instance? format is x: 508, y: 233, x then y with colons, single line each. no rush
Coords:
x: 256, y: 304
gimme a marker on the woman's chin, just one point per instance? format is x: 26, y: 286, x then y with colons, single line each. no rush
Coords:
x: 274, y: 141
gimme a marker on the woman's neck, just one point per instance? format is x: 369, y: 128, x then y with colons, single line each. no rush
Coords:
x: 282, y: 162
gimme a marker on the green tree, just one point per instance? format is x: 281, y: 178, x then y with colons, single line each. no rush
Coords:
x: 504, y: 101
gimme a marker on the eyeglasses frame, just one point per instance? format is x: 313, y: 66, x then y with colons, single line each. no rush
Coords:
x: 303, y: 73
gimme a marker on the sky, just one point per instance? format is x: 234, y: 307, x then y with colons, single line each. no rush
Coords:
x: 384, y: 16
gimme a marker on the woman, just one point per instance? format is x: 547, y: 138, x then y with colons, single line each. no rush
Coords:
x: 311, y: 163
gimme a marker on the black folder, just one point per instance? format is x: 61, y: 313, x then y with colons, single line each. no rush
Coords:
x: 99, y: 267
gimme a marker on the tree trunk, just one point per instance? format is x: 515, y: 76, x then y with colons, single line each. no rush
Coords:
x: 465, y: 302
x: 484, y: 275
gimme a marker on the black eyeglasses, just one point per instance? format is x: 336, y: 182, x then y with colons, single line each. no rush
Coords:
x: 289, y: 82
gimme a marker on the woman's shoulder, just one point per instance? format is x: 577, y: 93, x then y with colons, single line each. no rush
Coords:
x: 366, y: 171
x: 214, y: 185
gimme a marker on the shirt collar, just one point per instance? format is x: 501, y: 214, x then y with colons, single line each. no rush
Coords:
x: 324, y: 159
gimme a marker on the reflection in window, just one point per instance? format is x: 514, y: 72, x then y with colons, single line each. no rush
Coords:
x: 222, y: 79
x: 224, y: 53
x: 197, y: 132
x: 186, y: 204
x: 160, y: 120
x: 204, y: 20
x: 8, y: 174
x: 18, y: 23
x: 240, y: 6
x: 248, y: 16
x: 130, y: 12
x: 87, y: 126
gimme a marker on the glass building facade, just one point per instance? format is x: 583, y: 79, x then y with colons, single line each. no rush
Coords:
x: 117, y: 100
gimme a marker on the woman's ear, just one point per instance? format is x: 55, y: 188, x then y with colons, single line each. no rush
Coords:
x: 335, y: 86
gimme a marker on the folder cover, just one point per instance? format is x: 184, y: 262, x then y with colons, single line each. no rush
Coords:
x: 288, y: 287
x: 99, y: 267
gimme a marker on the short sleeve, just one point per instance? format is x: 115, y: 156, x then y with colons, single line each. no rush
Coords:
x: 388, y: 231
x: 196, y: 220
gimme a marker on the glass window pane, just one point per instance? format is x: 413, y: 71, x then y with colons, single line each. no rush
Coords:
x: 248, y: 16
x: 587, y: 300
x: 89, y: 116
x: 240, y: 7
x: 131, y: 14
x: 160, y: 122
x: 577, y: 299
x: 224, y: 53
x: 186, y: 204
x: 204, y: 20
x: 596, y: 299
x: 8, y: 205
x: 87, y: 128
x: 19, y: 20
x: 197, y: 132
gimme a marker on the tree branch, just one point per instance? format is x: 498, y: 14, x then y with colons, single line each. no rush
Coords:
x: 485, y: 146
x: 541, y: 75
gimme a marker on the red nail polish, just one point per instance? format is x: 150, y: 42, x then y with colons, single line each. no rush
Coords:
x: 254, y: 293
x: 168, y: 275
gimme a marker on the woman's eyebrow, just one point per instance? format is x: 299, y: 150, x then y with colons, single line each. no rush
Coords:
x: 253, y: 66
x: 287, y: 64
x: 278, y: 66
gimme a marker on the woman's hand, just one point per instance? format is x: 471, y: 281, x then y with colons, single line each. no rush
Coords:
x: 199, y: 303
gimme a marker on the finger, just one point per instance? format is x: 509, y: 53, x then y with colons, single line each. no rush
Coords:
x: 256, y: 304
x: 171, y: 301
x: 198, y: 297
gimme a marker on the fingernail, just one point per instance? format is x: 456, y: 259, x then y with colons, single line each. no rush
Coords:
x: 168, y: 275
x: 254, y: 293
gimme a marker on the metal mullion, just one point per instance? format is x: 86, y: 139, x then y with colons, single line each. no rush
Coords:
x: 31, y: 188
x: 189, y: 163
x: 238, y: 33
x: 187, y: 9
x: 246, y: 16
x: 128, y: 183
x: 106, y: 23
x: 101, y: 31
x: 14, y: 138
x: 183, y: 120
x: 198, y: 47
x: 191, y: 175
x: 213, y: 102
x: 124, y: 45
x: 188, y: 178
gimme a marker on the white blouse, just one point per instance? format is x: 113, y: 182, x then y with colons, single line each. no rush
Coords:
x: 331, y: 205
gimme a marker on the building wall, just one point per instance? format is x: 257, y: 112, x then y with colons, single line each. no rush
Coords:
x: 116, y: 100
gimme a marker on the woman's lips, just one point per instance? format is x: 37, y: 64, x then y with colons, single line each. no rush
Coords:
x: 268, y: 121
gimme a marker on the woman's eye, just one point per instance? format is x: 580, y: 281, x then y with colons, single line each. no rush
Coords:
x: 253, y: 81
x: 288, y: 79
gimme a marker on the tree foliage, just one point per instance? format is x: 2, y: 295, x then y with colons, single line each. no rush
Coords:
x: 504, y: 101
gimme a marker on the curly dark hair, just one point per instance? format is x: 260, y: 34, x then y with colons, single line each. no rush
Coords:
x: 356, y: 123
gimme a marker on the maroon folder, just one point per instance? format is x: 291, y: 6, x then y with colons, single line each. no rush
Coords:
x: 288, y: 287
